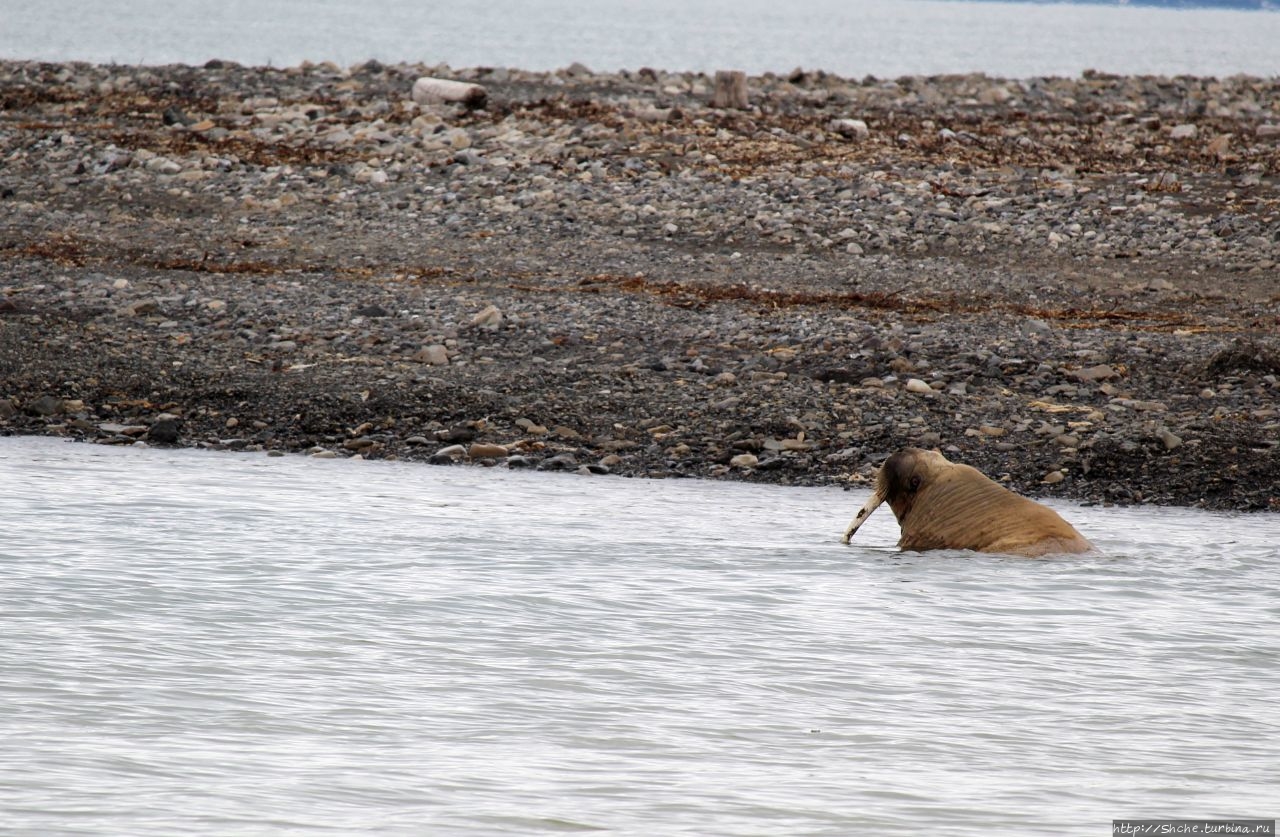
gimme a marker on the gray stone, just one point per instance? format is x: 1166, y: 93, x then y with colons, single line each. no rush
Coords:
x: 140, y: 308
x: 1140, y: 406
x: 458, y: 434
x: 45, y: 405
x: 559, y: 462
x: 450, y: 452
x: 1093, y: 374
x: 164, y: 432
x: 175, y: 116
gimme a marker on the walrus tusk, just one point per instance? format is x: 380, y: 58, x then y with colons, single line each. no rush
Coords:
x: 873, y: 503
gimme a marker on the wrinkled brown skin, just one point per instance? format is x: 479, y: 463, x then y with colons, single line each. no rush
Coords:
x: 945, y: 505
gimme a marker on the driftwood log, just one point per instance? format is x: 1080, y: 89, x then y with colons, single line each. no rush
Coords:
x: 434, y: 91
x: 731, y: 90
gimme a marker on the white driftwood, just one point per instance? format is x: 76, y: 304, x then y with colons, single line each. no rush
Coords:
x: 731, y: 90
x: 854, y: 129
x: 434, y: 91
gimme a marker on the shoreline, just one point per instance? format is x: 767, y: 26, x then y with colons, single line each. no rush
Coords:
x: 1070, y: 284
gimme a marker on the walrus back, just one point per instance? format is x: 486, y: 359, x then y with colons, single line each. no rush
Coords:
x: 964, y: 509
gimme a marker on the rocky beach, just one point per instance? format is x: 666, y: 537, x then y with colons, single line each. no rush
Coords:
x: 1071, y: 284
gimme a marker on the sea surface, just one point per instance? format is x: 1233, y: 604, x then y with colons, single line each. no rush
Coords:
x: 212, y: 643
x: 849, y: 37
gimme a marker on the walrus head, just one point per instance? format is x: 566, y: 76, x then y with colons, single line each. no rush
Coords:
x: 945, y: 505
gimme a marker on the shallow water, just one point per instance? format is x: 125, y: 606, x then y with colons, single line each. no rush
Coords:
x: 849, y: 37
x: 204, y: 643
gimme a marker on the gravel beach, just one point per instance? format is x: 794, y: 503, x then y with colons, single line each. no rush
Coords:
x: 1071, y: 284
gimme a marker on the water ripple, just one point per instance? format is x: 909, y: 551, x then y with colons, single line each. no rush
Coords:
x: 212, y: 644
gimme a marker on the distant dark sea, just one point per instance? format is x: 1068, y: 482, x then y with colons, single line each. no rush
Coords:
x: 1245, y: 5
x: 1241, y: 5
x: 884, y: 38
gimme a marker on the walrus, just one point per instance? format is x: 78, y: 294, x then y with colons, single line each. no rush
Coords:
x: 942, y: 504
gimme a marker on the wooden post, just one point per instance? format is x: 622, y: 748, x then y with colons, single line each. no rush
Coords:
x: 731, y: 90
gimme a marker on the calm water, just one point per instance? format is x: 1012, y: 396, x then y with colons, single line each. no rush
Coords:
x: 204, y: 643
x: 850, y: 37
